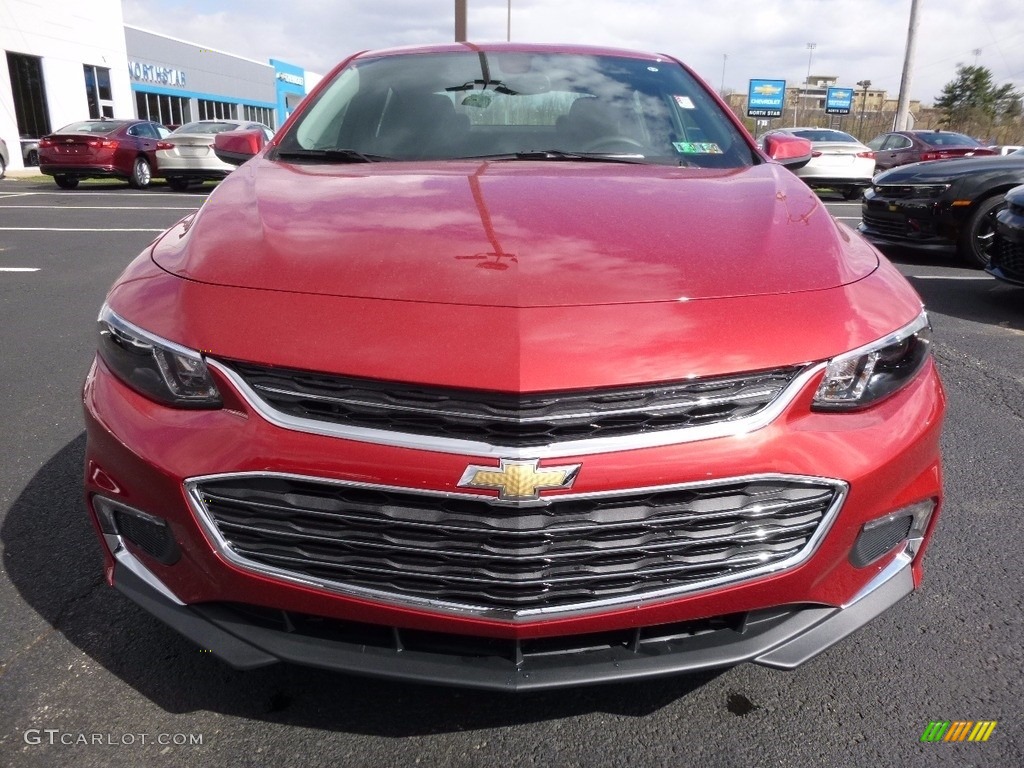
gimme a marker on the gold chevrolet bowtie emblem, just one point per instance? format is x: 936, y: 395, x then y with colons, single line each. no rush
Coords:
x: 519, y: 480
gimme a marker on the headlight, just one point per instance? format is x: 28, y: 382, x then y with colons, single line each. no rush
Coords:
x: 864, y: 376
x: 154, y: 367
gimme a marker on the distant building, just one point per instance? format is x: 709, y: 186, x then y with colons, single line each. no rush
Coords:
x: 64, y: 61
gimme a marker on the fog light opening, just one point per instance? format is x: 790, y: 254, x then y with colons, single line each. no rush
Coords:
x: 121, y: 523
x: 878, y: 537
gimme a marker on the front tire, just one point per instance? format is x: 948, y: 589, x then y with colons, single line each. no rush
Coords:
x: 142, y: 174
x: 66, y: 182
x: 978, y: 232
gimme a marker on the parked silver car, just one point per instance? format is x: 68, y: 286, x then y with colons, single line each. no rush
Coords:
x: 186, y: 156
x: 838, y: 160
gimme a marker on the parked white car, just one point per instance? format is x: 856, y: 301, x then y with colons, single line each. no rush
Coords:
x: 838, y: 160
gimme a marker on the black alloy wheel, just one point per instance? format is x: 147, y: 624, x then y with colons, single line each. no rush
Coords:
x: 978, y: 233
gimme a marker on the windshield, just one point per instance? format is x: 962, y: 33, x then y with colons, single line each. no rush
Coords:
x: 470, y: 104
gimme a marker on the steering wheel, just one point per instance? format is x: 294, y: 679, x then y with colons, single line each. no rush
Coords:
x: 612, y: 144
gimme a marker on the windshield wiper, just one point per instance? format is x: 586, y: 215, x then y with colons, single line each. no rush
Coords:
x: 560, y: 154
x: 330, y: 155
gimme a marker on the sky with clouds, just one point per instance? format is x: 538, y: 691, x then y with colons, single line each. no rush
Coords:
x: 742, y: 39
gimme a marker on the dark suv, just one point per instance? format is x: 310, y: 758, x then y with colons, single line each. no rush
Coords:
x: 902, y: 147
x: 101, y: 148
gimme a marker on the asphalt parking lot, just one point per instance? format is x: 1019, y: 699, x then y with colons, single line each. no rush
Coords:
x: 88, y: 678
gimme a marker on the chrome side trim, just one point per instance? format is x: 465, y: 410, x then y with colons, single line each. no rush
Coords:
x: 224, y: 549
x: 133, y: 564
x: 553, y: 450
x: 903, y: 560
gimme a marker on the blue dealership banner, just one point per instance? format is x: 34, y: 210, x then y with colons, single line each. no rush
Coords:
x: 838, y: 101
x: 766, y: 98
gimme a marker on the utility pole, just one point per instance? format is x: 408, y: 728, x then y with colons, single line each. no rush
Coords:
x: 460, y: 21
x: 903, y: 107
x: 721, y: 91
x: 865, y: 84
x: 807, y: 82
x: 508, y: 23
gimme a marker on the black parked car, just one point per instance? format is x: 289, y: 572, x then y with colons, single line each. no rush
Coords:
x: 1008, y: 244
x: 943, y: 204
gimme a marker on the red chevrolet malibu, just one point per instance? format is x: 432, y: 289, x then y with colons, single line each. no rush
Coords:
x: 513, y: 367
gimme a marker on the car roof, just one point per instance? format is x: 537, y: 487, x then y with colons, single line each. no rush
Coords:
x: 583, y: 50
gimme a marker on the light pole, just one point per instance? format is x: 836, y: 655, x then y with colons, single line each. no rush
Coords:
x: 865, y: 84
x: 721, y: 91
x: 508, y: 23
x: 807, y: 82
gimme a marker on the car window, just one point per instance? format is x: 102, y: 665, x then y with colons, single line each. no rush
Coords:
x: 135, y: 130
x: 947, y: 139
x: 208, y: 126
x: 896, y: 141
x: 825, y: 135
x: 877, y: 142
x: 451, y: 105
x: 93, y: 126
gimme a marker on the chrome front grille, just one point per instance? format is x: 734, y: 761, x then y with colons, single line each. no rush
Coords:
x: 465, y: 553
x: 511, y: 420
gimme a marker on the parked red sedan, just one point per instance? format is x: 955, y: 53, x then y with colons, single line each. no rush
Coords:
x: 903, y: 147
x: 513, y: 367
x: 102, y: 148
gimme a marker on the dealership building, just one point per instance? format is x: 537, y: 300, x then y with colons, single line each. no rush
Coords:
x: 76, y: 61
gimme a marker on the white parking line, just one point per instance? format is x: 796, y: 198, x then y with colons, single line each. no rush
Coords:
x: 74, y: 229
x: 19, y: 269
x: 952, y: 277
x: 846, y: 218
x: 136, y: 195
x: 93, y: 208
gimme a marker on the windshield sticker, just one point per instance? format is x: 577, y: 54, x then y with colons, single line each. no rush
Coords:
x: 683, y: 102
x: 696, y: 148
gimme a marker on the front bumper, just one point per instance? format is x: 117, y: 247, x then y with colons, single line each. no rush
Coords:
x: 1007, y: 262
x: 781, y: 638
x: 142, y: 455
x: 925, y: 223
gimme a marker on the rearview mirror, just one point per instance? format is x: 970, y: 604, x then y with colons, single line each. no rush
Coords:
x: 235, y: 147
x: 790, y: 151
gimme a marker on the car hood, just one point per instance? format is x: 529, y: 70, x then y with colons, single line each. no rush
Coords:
x: 514, y: 234
x: 952, y: 168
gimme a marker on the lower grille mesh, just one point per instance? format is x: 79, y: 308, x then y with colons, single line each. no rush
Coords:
x: 1009, y: 257
x: 469, y: 553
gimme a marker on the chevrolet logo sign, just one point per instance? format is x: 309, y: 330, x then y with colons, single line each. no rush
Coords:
x: 519, y: 480
x: 766, y: 90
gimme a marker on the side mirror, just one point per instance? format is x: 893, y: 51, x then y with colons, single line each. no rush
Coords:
x: 235, y: 147
x: 790, y: 151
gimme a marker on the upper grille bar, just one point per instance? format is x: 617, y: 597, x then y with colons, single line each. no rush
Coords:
x: 541, y: 423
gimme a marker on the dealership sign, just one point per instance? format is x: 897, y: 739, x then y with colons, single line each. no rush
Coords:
x: 838, y: 101
x: 766, y: 98
x: 150, y: 73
